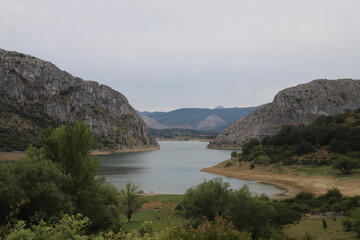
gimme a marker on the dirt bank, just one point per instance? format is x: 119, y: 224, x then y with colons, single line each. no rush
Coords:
x: 10, y: 156
x: 293, y: 184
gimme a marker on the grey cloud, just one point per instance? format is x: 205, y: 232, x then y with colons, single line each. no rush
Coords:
x: 165, y: 54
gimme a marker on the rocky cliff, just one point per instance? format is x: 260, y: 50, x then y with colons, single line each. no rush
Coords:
x: 35, y: 93
x: 293, y: 106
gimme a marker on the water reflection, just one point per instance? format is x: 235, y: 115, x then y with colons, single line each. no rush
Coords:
x: 173, y: 169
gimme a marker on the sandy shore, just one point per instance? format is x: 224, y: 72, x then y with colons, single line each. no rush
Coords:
x: 293, y: 184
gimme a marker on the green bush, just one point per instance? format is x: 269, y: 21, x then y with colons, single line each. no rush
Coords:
x: 228, y: 164
x: 347, y: 224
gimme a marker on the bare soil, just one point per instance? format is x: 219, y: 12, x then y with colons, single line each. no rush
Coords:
x: 10, y: 156
x: 293, y: 184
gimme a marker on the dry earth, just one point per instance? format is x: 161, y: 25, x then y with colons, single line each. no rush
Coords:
x: 293, y: 184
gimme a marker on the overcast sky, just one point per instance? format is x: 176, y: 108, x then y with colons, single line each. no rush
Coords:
x: 169, y: 54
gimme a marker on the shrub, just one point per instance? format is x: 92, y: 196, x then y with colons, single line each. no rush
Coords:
x: 228, y: 164
x: 324, y: 223
x: 346, y: 164
x: 347, y: 224
x: 207, y: 199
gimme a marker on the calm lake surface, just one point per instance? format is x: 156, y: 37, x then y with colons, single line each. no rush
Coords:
x: 173, y: 169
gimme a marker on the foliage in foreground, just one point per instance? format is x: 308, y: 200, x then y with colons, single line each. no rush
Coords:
x: 75, y: 227
x: 256, y: 214
x: 59, y: 178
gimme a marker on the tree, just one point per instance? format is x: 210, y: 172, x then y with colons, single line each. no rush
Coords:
x: 234, y: 154
x: 248, y: 146
x: 10, y: 192
x: 43, y: 184
x: 346, y: 164
x: 251, y: 213
x: 208, y: 199
x: 130, y: 199
x: 70, y: 146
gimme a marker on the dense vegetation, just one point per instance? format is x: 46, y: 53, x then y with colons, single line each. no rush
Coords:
x: 329, y: 140
x: 256, y: 214
x: 182, y: 134
x: 21, y: 125
x: 59, y: 178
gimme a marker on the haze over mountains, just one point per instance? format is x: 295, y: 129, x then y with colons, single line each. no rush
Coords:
x: 195, y: 118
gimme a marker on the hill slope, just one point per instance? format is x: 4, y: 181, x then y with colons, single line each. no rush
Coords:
x: 36, y: 94
x: 293, y: 106
x: 199, y: 118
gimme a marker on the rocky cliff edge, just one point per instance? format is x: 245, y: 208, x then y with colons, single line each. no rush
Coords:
x: 33, y: 85
x: 292, y: 106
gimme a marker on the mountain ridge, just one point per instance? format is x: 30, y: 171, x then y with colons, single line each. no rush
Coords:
x: 191, y: 118
x: 297, y: 105
x: 33, y: 84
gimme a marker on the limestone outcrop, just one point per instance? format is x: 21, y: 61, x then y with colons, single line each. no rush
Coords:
x: 39, y: 88
x: 297, y: 105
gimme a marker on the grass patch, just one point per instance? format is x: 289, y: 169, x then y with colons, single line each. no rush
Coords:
x: 314, y: 227
x: 160, y: 210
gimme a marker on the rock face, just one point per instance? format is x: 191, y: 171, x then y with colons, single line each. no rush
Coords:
x: 293, y: 106
x: 32, y: 83
x: 211, y: 122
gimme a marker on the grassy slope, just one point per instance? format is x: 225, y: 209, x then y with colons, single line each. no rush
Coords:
x: 314, y: 227
x: 160, y: 209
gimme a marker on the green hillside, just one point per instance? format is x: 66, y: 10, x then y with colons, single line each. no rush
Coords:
x: 21, y: 125
x: 318, y: 143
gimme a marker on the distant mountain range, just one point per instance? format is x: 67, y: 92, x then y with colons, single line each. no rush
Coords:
x: 195, y: 118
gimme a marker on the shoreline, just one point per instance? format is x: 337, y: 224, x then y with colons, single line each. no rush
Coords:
x: 16, y: 155
x: 182, y: 140
x: 125, y: 150
x: 292, y: 184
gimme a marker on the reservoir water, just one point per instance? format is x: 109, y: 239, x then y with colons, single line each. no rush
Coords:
x: 173, y: 169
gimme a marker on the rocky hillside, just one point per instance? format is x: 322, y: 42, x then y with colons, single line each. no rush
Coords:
x: 293, y: 106
x: 36, y: 94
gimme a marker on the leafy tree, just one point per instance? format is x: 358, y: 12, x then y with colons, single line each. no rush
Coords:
x: 130, y: 199
x: 70, y: 146
x: 346, y: 164
x: 304, y: 147
x: 246, y: 148
x: 251, y: 213
x: 10, y: 191
x: 208, y: 199
x: 43, y: 184
x: 234, y: 154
